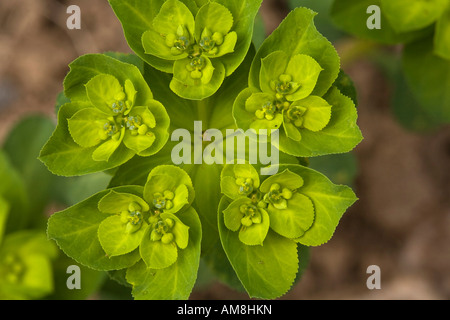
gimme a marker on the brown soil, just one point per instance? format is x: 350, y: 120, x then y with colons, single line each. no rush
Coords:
x: 401, y: 222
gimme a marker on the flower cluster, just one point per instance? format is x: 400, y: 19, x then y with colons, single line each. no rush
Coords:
x: 149, y: 221
x: 114, y: 119
x: 285, y: 101
x: 276, y: 203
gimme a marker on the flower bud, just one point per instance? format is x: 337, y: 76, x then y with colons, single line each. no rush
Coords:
x: 217, y: 37
x: 167, y: 238
x: 196, y: 74
x: 286, y: 193
x: 170, y: 40
x: 169, y: 195
x: 143, y: 129
x: 246, y: 221
x: 155, y: 236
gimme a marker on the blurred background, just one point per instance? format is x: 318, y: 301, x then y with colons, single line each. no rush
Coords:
x: 400, y: 172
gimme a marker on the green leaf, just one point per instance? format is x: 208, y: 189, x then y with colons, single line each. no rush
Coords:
x: 63, y: 156
x: 351, y: 16
x: 115, y: 240
x: 405, y: 15
x: 427, y: 76
x: 266, y: 271
x: 22, y: 146
x: 298, y: 35
x: 442, y: 34
x: 75, y: 230
x: 13, y: 190
x: 176, y: 281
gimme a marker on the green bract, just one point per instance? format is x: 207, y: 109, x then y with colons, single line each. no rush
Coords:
x: 200, y: 42
x: 127, y: 224
x: 111, y: 117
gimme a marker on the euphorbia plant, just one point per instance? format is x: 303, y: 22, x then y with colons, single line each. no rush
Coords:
x: 156, y: 220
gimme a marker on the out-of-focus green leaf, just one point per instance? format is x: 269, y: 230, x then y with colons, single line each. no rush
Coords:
x: 428, y: 77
